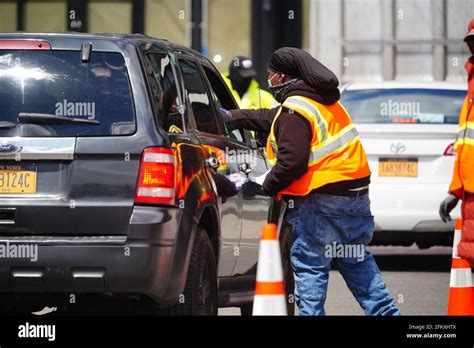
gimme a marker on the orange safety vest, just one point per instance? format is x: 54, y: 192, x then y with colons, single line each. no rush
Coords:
x: 463, y: 174
x: 336, y: 151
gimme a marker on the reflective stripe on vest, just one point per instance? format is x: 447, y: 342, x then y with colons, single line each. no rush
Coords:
x: 465, y: 135
x: 271, y: 155
x: 311, y: 110
x: 337, y: 142
x: 274, y: 145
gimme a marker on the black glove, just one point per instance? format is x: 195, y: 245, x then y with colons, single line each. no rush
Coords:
x: 225, y: 187
x: 447, y: 206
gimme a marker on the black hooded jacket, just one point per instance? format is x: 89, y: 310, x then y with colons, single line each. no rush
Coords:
x: 293, y: 136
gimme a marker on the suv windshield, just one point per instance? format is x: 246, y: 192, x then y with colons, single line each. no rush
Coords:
x: 54, y: 93
x: 434, y: 106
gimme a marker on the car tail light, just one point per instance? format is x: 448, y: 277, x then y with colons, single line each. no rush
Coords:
x: 449, y: 150
x: 404, y: 120
x: 156, y: 179
x: 24, y: 45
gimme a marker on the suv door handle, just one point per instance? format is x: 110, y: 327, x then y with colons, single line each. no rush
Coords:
x: 245, y: 167
x: 213, y: 163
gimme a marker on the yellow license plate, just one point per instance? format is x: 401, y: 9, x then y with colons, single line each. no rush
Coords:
x: 18, y: 178
x: 407, y: 167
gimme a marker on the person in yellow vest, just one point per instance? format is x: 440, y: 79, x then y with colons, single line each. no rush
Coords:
x: 321, y: 171
x: 241, y: 82
x: 240, y: 79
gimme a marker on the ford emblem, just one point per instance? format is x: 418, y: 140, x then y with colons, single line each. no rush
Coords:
x: 9, y: 148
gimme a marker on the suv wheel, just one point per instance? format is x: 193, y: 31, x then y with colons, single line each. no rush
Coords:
x: 200, y: 292
x: 288, y: 278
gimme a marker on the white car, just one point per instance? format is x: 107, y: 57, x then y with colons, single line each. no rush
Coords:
x: 408, y: 131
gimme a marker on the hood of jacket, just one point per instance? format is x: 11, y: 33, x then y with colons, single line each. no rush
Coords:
x: 326, y: 96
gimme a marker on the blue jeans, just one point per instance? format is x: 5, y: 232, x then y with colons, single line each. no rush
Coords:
x: 328, y: 228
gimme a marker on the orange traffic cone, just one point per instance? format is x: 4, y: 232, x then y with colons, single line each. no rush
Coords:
x: 270, y: 290
x: 461, y: 292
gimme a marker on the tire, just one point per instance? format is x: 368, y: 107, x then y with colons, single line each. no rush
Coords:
x: 200, y: 291
x: 288, y: 278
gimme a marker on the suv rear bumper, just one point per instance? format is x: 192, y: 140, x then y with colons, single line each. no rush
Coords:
x: 143, y: 262
x: 410, y: 207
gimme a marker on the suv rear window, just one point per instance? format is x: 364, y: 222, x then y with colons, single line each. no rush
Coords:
x: 58, y: 84
x: 404, y: 105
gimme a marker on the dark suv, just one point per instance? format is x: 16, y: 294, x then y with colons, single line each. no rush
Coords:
x: 118, y: 178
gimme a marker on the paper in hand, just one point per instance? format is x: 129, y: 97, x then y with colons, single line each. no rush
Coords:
x: 260, y: 179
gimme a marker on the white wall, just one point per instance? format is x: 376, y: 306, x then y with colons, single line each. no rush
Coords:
x: 333, y: 21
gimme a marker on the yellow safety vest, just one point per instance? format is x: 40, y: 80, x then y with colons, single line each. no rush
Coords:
x: 254, y: 98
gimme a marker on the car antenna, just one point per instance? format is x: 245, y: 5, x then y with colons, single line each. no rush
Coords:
x: 86, y: 50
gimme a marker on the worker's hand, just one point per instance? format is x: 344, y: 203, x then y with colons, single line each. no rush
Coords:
x: 447, y: 206
x: 225, y: 115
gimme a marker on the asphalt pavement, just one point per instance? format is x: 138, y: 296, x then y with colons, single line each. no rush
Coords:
x: 417, y: 279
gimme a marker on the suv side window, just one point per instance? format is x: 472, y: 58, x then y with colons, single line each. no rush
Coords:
x: 164, y: 92
x: 198, y: 97
x: 222, y: 99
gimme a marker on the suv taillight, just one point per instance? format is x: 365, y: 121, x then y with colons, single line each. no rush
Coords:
x: 24, y: 45
x: 156, y: 179
x: 449, y: 150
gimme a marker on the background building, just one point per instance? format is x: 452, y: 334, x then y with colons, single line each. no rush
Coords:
x: 359, y: 39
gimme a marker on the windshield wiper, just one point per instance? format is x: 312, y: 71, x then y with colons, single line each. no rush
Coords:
x: 7, y: 124
x: 37, y: 118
